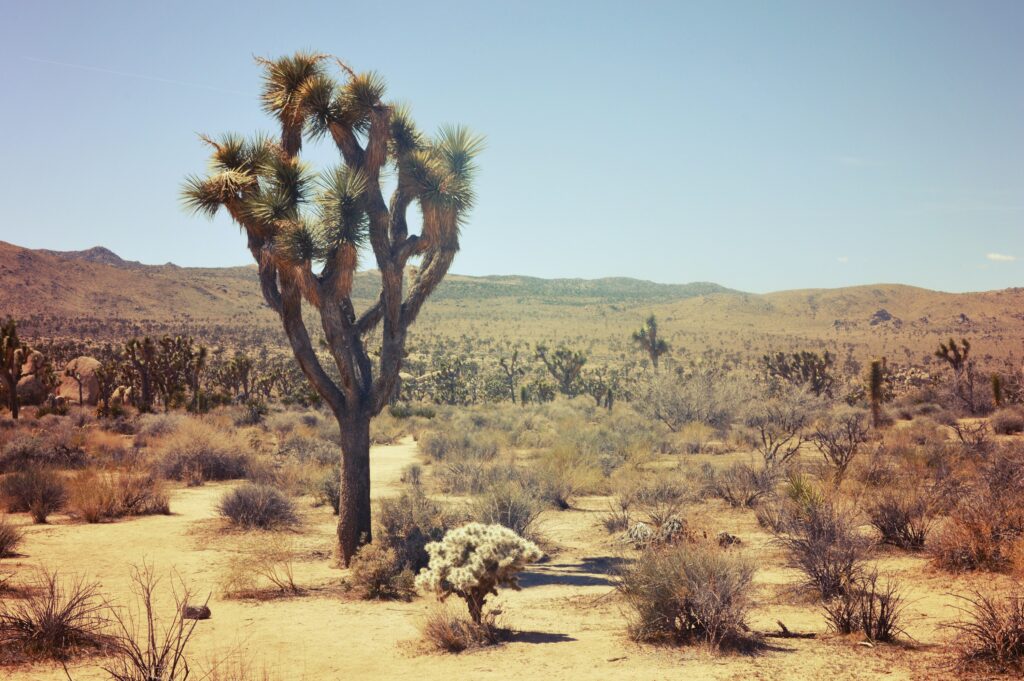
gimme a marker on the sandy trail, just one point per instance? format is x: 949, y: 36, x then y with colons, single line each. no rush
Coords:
x: 568, y: 624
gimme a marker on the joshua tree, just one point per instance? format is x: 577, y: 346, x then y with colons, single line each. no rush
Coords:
x: 565, y: 366
x: 647, y: 338
x: 958, y: 359
x: 875, y: 380
x: 305, y: 233
x: 142, y: 356
x: 13, y: 353
x: 513, y: 371
x: 803, y: 369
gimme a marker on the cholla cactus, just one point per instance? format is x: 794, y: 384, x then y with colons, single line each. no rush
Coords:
x: 472, y: 561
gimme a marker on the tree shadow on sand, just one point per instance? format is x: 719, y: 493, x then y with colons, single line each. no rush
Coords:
x: 588, y: 571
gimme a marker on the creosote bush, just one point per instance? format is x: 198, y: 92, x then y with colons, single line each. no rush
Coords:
x: 741, y: 485
x: 689, y: 593
x: 57, y: 618
x: 38, y: 491
x: 257, y: 506
x: 472, y: 561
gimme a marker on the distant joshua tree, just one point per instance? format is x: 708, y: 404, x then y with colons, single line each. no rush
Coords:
x: 962, y: 366
x: 13, y: 353
x: 294, y: 219
x: 648, y: 340
x: 565, y: 366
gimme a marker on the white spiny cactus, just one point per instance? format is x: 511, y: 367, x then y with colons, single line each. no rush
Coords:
x: 472, y: 561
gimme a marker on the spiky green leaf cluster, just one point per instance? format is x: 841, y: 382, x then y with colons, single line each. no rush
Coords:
x: 340, y: 214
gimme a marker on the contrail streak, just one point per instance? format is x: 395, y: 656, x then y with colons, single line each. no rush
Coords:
x: 134, y: 75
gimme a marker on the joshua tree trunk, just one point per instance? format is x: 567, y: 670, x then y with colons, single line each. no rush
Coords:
x: 12, y: 398
x: 354, y: 526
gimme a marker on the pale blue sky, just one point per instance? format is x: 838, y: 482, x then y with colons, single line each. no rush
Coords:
x: 761, y: 145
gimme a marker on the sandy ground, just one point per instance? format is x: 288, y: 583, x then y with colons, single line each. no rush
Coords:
x: 567, y: 621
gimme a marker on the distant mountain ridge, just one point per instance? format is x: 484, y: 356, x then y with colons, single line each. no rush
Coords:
x: 84, y: 292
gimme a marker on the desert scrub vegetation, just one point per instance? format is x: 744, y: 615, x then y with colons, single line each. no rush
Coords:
x: 262, y: 567
x: 36, y: 490
x: 10, y: 537
x: 1008, y: 421
x: 984, y: 527
x: 740, y: 485
x: 839, y: 435
x: 198, y: 452
x: 149, y: 644
x: 903, y: 517
x: 257, y: 507
x: 868, y: 607
x: 56, y: 618
x: 688, y: 593
x: 472, y: 561
x: 450, y: 632
x: 510, y: 505
x: 990, y: 632
x: 95, y: 496
x: 821, y: 541
x: 386, y: 569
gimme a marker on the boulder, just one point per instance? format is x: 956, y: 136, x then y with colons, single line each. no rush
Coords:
x: 85, y: 368
x: 31, y: 387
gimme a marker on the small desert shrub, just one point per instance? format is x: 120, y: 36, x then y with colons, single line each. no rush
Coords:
x: 56, y: 618
x: 564, y: 475
x: 386, y: 430
x: 741, y: 485
x: 991, y: 632
x: 95, y: 497
x: 617, y: 518
x: 474, y: 477
x: 264, y: 566
x: 257, y: 506
x: 903, y: 519
x: 510, y: 505
x: 441, y: 446
x: 10, y: 536
x: 452, y: 633
x: 252, y: 413
x: 409, y: 522
x: 61, y: 446
x: 412, y: 475
x: 199, y: 453
x: 310, y: 449
x: 839, y: 436
x: 1008, y: 421
x: 987, y: 520
x: 328, y: 489
x: 39, y: 491
x: 378, y: 573
x: 472, y: 561
x: 148, y: 645
x: 867, y: 607
x: 687, y: 594
x: 821, y: 541
x: 152, y: 427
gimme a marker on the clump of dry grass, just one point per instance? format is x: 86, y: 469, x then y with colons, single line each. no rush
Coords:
x: 10, y: 537
x: 379, y: 574
x: 56, y: 619
x: 263, y: 567
x: 196, y: 452
x: 991, y: 632
x: 869, y: 608
x: 95, y: 496
x: 453, y: 633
